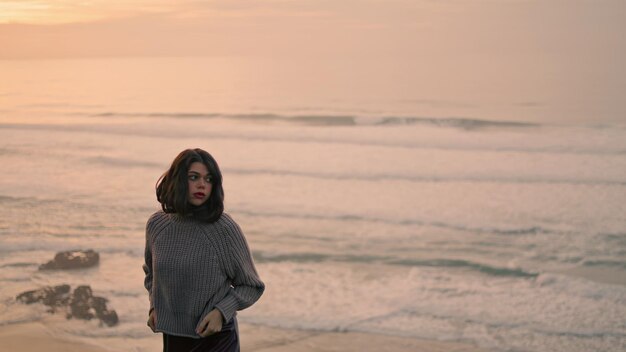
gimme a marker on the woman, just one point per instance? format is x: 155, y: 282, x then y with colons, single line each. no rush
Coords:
x: 198, y: 267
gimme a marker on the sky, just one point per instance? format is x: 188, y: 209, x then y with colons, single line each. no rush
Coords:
x: 567, y: 52
x: 409, y: 28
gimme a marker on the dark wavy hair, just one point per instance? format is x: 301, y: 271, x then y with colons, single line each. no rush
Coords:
x: 172, y: 188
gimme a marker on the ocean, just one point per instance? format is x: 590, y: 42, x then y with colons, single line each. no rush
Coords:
x: 367, y: 208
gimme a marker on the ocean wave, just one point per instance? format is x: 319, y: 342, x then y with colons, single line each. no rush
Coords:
x: 522, y: 231
x: 11, y: 199
x: 15, y: 279
x: 618, y: 239
x: 465, y: 123
x: 55, y: 246
x: 122, y: 130
x: 386, y: 318
x: 119, y: 162
x: 459, y: 263
x: 606, y: 262
x: 264, y: 257
x: 19, y: 265
x: 455, y: 122
x: 337, y: 120
x: 19, y: 321
x: 421, y: 178
x: 402, y: 222
x: 7, y: 151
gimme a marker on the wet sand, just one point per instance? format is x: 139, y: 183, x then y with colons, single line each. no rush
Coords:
x: 31, y: 337
x: 36, y: 337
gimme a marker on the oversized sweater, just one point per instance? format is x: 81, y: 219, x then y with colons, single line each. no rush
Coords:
x: 193, y: 267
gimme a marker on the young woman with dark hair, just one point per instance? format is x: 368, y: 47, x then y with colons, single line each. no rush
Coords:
x: 199, y: 271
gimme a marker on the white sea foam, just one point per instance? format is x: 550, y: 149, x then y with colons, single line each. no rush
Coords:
x: 435, y: 302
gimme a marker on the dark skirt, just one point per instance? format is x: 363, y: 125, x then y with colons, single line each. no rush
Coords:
x: 226, y: 340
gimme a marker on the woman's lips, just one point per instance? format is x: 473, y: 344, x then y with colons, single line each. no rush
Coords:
x: 198, y: 195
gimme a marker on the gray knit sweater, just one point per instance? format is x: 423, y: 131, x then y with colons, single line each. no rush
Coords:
x: 193, y: 267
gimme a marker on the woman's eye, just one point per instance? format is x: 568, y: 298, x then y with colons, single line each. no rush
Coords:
x: 193, y: 177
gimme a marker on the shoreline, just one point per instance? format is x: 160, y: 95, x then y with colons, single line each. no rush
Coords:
x: 35, y: 336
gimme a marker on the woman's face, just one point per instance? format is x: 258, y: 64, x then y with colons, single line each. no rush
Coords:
x: 199, y: 182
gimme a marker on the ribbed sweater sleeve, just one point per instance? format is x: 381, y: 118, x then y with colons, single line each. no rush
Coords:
x: 246, y: 286
x: 147, y: 269
x: 154, y: 226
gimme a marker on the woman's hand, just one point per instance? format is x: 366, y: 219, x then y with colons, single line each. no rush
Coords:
x: 211, y: 324
x: 152, y: 320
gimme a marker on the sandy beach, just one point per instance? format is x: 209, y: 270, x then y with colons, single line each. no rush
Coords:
x: 36, y: 337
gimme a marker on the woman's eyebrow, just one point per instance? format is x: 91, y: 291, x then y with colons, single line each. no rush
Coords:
x: 197, y: 173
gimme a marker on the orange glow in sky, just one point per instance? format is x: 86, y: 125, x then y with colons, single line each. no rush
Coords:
x: 68, y: 11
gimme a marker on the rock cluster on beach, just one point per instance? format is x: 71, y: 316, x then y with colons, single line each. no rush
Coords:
x: 72, y: 260
x: 80, y: 304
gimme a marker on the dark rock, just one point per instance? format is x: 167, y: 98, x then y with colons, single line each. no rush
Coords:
x: 83, y: 293
x: 72, y: 260
x: 53, y: 297
x: 81, y: 304
x: 99, y: 304
x: 108, y: 317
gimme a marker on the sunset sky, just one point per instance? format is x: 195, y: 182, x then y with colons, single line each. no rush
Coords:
x: 567, y: 54
x: 396, y: 28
